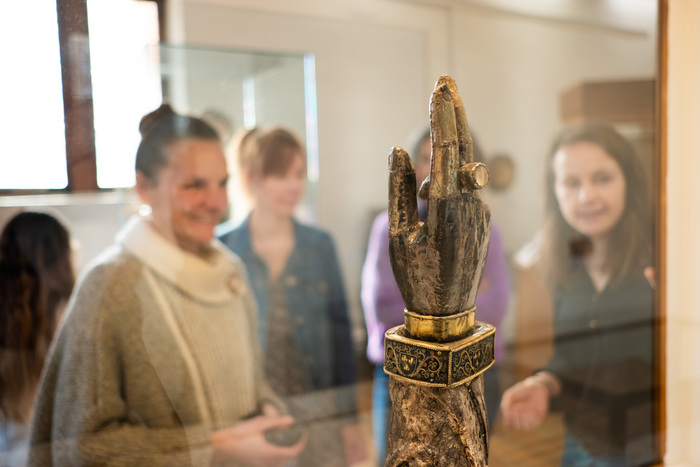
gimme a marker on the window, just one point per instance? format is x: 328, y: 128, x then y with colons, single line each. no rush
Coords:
x: 64, y: 77
x: 31, y: 124
x: 125, y: 82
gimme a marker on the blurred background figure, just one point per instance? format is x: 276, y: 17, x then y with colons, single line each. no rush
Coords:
x: 383, y: 306
x: 593, y: 250
x: 36, y: 280
x: 158, y: 361
x: 305, y: 328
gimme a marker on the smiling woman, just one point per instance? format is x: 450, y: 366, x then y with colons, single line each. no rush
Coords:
x: 188, y: 196
x: 157, y: 361
x: 595, y: 251
x: 590, y: 188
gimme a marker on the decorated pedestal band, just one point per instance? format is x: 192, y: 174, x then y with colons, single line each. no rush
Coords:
x: 439, y: 364
x: 438, y: 328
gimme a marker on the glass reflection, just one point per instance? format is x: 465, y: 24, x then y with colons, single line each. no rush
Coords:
x: 512, y: 101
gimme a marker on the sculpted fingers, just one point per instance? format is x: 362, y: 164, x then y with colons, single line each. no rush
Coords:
x: 433, y: 259
x: 464, y: 137
x: 452, y: 165
x: 472, y: 175
x: 444, y: 164
x: 403, y: 208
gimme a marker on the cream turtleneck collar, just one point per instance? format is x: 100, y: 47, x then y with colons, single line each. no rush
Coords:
x: 213, y: 280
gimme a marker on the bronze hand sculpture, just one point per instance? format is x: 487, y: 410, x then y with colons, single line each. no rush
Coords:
x: 437, y: 357
x: 429, y: 259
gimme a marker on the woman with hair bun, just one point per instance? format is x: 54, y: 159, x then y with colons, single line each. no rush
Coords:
x: 157, y: 361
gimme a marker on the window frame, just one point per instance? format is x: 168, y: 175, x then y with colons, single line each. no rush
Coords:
x: 78, y: 110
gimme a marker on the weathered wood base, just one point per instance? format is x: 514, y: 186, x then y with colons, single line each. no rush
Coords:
x: 438, y: 426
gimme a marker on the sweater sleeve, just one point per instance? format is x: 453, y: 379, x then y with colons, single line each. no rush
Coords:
x: 99, y: 400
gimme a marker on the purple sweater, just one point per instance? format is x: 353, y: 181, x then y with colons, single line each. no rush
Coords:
x: 382, y: 302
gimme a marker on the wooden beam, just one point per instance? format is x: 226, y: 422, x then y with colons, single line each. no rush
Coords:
x: 77, y: 94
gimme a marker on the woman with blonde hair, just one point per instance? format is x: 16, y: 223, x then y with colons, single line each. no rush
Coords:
x: 295, y: 274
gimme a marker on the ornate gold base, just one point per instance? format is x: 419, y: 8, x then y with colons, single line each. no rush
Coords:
x: 439, y: 364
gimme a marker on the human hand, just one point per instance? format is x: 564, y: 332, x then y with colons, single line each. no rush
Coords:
x: 650, y: 276
x: 269, y: 409
x: 525, y: 405
x: 245, y: 442
x: 438, y: 264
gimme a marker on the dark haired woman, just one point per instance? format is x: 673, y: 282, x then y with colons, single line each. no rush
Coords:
x: 294, y: 271
x: 36, y: 279
x: 157, y: 363
x: 595, y: 247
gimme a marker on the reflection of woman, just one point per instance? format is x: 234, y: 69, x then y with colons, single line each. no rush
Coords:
x: 383, y: 305
x: 294, y: 270
x: 156, y: 361
x: 36, y: 279
x: 595, y: 246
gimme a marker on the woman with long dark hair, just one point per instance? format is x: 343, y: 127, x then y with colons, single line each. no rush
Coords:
x: 595, y: 246
x: 36, y: 280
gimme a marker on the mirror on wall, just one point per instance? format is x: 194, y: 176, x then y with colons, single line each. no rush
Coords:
x: 238, y: 90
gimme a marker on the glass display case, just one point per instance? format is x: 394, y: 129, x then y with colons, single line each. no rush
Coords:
x: 375, y: 70
x: 240, y: 90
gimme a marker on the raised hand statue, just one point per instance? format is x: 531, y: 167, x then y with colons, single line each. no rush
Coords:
x: 437, y: 357
x: 438, y: 264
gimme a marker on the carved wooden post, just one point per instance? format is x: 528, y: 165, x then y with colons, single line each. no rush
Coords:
x: 436, y: 358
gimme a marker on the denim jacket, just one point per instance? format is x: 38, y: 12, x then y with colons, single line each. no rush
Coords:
x: 315, y: 298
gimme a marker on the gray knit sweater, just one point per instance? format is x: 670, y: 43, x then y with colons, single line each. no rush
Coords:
x: 157, y: 348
